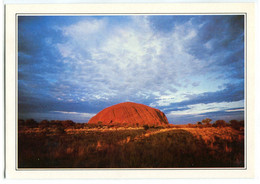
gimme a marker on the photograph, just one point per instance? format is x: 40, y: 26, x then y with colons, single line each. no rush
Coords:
x: 131, y: 91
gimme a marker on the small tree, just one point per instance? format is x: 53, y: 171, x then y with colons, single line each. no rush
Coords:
x: 220, y: 123
x: 199, y: 124
x: 206, y: 121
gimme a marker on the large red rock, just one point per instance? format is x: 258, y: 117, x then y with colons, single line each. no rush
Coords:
x: 129, y: 113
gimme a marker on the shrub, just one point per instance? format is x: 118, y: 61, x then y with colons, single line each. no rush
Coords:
x: 67, y: 123
x: 206, y: 122
x: 44, y: 124
x: 236, y: 124
x: 110, y: 126
x: 30, y: 123
x: 100, y: 124
x: 60, y: 130
x: 20, y: 121
x: 219, y: 123
x: 146, y: 127
x: 78, y: 126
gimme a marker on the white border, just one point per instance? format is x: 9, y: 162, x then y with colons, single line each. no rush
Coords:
x: 10, y: 81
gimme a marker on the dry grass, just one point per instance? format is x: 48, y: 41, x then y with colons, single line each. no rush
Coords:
x: 131, y: 148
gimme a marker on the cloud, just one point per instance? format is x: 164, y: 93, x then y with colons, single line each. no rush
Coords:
x: 214, y: 115
x: 214, y: 111
x: 83, y: 64
x: 202, y: 108
x: 125, y: 61
x: 221, y: 40
x: 231, y: 93
x: 87, y: 115
x: 57, y: 115
x: 235, y: 110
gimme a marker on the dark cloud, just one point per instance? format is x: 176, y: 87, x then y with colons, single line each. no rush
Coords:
x: 226, y: 28
x: 224, y: 36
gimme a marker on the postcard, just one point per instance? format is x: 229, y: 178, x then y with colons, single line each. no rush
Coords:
x: 129, y: 90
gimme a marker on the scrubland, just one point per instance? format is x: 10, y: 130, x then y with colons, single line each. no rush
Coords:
x: 90, y: 147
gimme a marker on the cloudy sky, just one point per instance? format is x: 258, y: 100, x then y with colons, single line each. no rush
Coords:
x: 189, y: 67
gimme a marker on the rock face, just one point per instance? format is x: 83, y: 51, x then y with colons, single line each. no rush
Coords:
x: 129, y: 113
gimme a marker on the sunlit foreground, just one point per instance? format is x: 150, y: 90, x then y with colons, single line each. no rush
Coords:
x: 177, y: 147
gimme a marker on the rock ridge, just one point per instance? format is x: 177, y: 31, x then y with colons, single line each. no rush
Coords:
x: 130, y: 113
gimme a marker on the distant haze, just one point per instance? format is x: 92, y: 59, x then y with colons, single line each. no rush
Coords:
x: 189, y: 67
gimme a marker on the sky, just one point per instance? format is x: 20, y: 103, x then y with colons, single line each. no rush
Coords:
x: 190, y: 67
